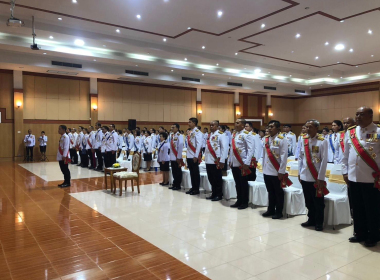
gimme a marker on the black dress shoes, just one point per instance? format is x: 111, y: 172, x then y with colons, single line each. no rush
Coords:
x: 356, y: 239
x: 189, y: 191
x: 277, y: 216
x: 194, y: 193
x: 217, y: 198
x: 308, y: 224
x: 210, y: 197
x: 236, y: 205
x: 167, y: 184
x: 61, y: 184
x: 161, y: 183
x: 65, y: 186
x: 370, y: 243
x: 319, y: 227
x: 268, y: 214
x: 176, y: 188
x: 243, y: 206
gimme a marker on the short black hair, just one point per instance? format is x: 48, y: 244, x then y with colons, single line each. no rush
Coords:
x: 176, y: 125
x: 243, y: 121
x: 137, y: 127
x: 275, y: 123
x: 325, y: 128
x: 138, y: 133
x: 147, y: 131
x: 106, y: 128
x: 288, y: 125
x: 223, y: 127
x: 43, y: 132
x: 85, y: 129
x: 250, y: 124
x: 153, y: 130
x: 164, y: 134
x: 120, y: 131
x: 199, y: 127
x: 194, y: 120
x: 64, y: 127
x: 98, y: 124
x: 339, y: 123
x: 81, y: 127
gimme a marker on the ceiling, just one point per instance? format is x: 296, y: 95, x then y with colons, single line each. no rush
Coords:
x: 282, y: 43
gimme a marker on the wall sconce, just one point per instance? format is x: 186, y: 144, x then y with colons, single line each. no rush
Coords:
x: 238, y: 113
x: 18, y: 104
x: 94, y: 107
x: 270, y: 114
x: 199, y: 112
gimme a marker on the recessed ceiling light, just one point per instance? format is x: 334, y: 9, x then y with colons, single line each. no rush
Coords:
x: 104, y: 46
x: 369, y: 73
x: 316, y: 57
x: 79, y: 42
x: 74, y: 1
x: 342, y: 21
x: 236, y: 53
x: 51, y: 37
x: 217, y: 64
x: 185, y: 58
x: 290, y: 75
x: 369, y: 31
x: 172, y: 70
x: 327, y: 43
x: 138, y: 16
x: 263, y: 25
x: 189, y: 27
x: 118, y: 30
x: 203, y: 47
x: 44, y: 52
x: 220, y: 13
x: 292, y: 51
x: 245, y: 68
x: 136, y: 65
x: 203, y: 74
x: 298, y: 35
x: 268, y: 72
x: 59, y: 18
x: 328, y: 75
x: 351, y: 50
x: 338, y: 62
x: 341, y: 77
x: 356, y: 66
x: 372, y: 55
x: 339, y: 47
x: 94, y: 59
x: 164, y: 39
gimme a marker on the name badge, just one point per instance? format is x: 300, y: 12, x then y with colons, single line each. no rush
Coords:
x: 276, y: 143
x: 315, y: 149
x: 240, y: 137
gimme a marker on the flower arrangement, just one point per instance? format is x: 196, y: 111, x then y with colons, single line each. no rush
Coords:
x: 116, y: 165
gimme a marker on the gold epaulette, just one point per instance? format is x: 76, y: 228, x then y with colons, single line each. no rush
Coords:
x: 266, y: 136
x: 352, y: 127
x: 320, y: 137
x: 378, y: 125
x: 280, y: 136
x: 253, y: 133
x: 291, y: 133
x: 197, y: 130
x: 342, y: 132
x: 302, y: 134
x: 305, y: 136
x: 246, y: 132
x: 220, y: 132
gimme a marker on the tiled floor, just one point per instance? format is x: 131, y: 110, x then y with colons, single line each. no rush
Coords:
x: 46, y: 233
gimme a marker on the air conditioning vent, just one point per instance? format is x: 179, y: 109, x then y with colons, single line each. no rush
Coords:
x: 299, y: 91
x: 66, y: 64
x: 129, y: 80
x: 62, y: 73
x: 270, y: 88
x: 191, y: 79
x: 234, y: 84
x: 138, y: 73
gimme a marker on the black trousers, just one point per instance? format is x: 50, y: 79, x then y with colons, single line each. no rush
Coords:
x: 177, y: 174
x: 252, y: 176
x: 194, y: 174
x: 108, y: 159
x: 65, y: 171
x: 29, y: 153
x: 215, y: 178
x: 74, y: 156
x: 84, y: 159
x: 90, y: 158
x: 241, y: 184
x: 366, y: 209
x: 100, y: 159
x: 275, y: 194
x: 113, y: 158
x: 315, y: 205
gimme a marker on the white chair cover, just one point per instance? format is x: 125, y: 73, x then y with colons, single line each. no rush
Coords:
x: 337, y: 207
x: 229, y: 189
x: 258, y: 194
x: 205, y: 183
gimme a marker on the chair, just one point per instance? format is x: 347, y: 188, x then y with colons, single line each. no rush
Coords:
x: 126, y: 176
x: 337, y: 206
x: 258, y: 194
x: 294, y: 201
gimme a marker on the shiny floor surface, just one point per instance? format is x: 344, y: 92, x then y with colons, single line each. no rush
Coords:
x: 84, y: 232
x: 48, y: 171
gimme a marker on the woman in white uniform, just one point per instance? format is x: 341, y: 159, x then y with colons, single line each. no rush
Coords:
x: 147, y: 149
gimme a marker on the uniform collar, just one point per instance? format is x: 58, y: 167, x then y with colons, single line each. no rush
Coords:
x: 370, y: 127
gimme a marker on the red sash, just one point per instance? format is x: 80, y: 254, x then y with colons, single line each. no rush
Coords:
x: 67, y: 160
x: 193, y: 149
x: 285, y: 180
x: 366, y: 157
x: 238, y: 157
x: 341, y: 140
x: 89, y: 143
x: 212, y: 152
x: 175, y: 152
x: 320, y: 191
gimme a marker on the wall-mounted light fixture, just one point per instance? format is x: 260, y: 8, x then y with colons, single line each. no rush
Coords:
x: 199, y: 112
x: 270, y: 114
x: 18, y: 104
x: 94, y: 107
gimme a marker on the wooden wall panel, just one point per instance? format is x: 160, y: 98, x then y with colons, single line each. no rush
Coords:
x: 52, y: 88
x: 6, y: 94
x: 40, y: 87
x: 28, y: 84
x: 6, y: 140
x: 29, y: 108
x: 253, y: 105
x: 64, y: 110
x: 40, y: 106
x: 217, y: 106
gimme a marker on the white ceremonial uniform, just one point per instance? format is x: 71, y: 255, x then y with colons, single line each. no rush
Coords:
x: 136, y: 144
x: 43, y: 140
x: 292, y: 142
x: 71, y: 138
x: 110, y: 142
x: 90, y: 141
x: 79, y: 140
x: 338, y: 156
x: 75, y: 139
x: 299, y: 143
x: 205, y: 137
x: 83, y: 144
x: 154, y: 141
x: 104, y: 142
x: 352, y: 163
x: 245, y: 145
x: 258, y: 146
x: 278, y: 144
x: 147, y: 145
x: 196, y: 138
x: 332, y: 139
x: 319, y: 149
x: 219, y: 142
x: 178, y: 145
x: 64, y: 143
x: 163, y: 152
x: 115, y: 138
x: 120, y: 141
x: 30, y: 140
x: 229, y: 135
x: 98, y: 139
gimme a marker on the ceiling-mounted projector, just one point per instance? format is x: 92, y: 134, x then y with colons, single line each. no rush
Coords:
x: 14, y: 22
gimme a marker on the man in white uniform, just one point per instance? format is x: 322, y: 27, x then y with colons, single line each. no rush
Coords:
x: 193, y: 158
x: 361, y: 172
x: 291, y: 139
x: 30, y: 142
x: 312, y: 166
x: 78, y: 143
x: 63, y: 156
x: 216, y: 153
x: 299, y: 143
x: 176, y: 147
x: 257, y: 153
x: 98, y: 145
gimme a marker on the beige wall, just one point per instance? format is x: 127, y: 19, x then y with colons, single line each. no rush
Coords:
x: 55, y: 98
x: 328, y: 108
x: 6, y: 93
x: 217, y: 106
x: 120, y: 102
x: 283, y: 110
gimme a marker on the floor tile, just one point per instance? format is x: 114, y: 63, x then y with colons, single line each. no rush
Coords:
x: 253, y: 265
x: 226, y: 272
